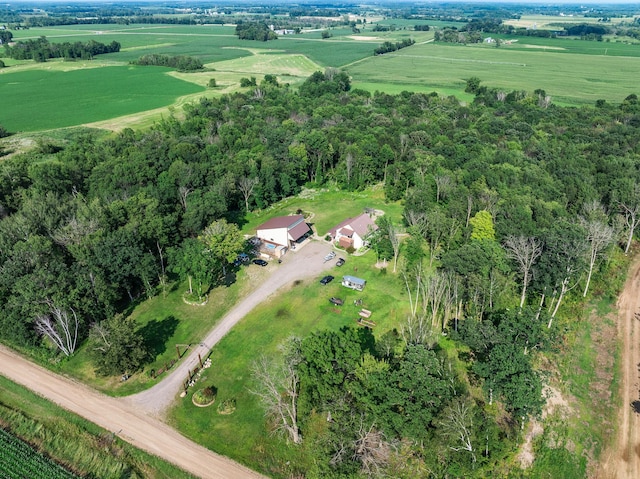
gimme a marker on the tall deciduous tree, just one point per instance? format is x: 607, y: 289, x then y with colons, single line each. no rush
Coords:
x: 223, y: 241
x: 118, y: 347
x: 246, y: 186
x: 277, y: 384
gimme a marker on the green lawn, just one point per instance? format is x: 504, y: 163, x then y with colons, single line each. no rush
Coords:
x: 303, y: 309
x: 47, y: 98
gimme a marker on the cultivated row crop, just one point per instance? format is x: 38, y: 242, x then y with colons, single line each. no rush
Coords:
x: 18, y: 460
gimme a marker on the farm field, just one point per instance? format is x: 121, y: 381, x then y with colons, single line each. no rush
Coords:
x: 18, y: 459
x: 558, y: 66
x: 569, y: 78
x: 548, y: 21
x: 54, y: 97
x: 70, y: 439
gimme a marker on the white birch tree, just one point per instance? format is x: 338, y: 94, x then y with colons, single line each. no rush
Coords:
x: 60, y: 328
x: 525, y: 251
x: 599, y: 236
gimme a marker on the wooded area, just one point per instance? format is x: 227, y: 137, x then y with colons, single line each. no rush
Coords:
x: 511, y: 204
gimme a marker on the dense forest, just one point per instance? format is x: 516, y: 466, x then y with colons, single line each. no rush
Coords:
x: 511, y: 204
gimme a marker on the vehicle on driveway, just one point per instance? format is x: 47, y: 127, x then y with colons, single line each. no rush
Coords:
x: 260, y: 262
x: 340, y: 262
x: 326, y: 280
x: 330, y: 256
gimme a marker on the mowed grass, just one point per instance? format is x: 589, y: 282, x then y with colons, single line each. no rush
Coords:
x: 49, y: 98
x: 301, y: 310
x: 328, y: 208
x: 568, y: 78
x: 166, y: 322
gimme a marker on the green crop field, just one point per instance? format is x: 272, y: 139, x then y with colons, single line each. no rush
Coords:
x: 48, y: 97
x: 40, y: 96
x: 18, y: 459
x: 568, y: 78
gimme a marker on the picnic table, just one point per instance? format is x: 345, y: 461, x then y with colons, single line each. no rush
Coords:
x: 365, y: 313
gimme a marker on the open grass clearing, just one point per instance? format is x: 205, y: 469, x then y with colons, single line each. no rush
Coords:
x: 300, y: 311
x: 551, y: 22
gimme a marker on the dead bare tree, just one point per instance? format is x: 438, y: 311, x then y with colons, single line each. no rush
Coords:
x: 277, y: 386
x: 392, y: 232
x: 631, y: 215
x: 457, y: 424
x: 525, y: 251
x: 599, y: 236
x: 443, y: 185
x: 246, y: 186
x: 59, y: 327
x: 371, y: 449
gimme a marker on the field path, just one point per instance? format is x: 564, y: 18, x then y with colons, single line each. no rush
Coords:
x: 622, y: 459
x: 136, y: 419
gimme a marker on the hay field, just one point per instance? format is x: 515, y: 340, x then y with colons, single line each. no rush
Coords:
x: 569, y: 78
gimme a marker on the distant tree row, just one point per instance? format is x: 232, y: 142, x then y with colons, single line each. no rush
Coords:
x: 255, y: 31
x: 179, y: 62
x: 388, y: 47
x: 41, y: 50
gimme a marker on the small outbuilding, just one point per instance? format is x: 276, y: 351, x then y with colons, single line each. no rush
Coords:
x: 353, y: 282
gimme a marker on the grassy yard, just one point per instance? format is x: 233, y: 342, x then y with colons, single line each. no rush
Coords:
x: 301, y: 310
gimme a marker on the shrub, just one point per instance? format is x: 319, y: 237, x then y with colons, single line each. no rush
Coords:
x: 212, y: 83
x: 350, y: 249
x: 204, y: 396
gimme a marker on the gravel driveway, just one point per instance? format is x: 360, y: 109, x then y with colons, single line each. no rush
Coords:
x: 305, y: 262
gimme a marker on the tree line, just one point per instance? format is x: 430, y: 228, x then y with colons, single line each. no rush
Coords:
x: 41, y: 50
x: 183, y: 63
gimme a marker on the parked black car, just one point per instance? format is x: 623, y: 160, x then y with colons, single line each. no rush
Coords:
x: 326, y: 280
x: 260, y: 262
x: 340, y: 262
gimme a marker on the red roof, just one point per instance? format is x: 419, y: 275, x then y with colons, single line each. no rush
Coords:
x: 362, y: 225
x: 281, y: 222
x: 298, y: 231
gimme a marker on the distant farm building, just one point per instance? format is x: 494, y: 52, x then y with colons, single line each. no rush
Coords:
x: 353, y: 232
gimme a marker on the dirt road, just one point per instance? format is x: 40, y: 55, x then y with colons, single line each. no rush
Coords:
x: 125, y: 421
x: 132, y: 418
x: 622, y: 460
x: 306, y: 262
